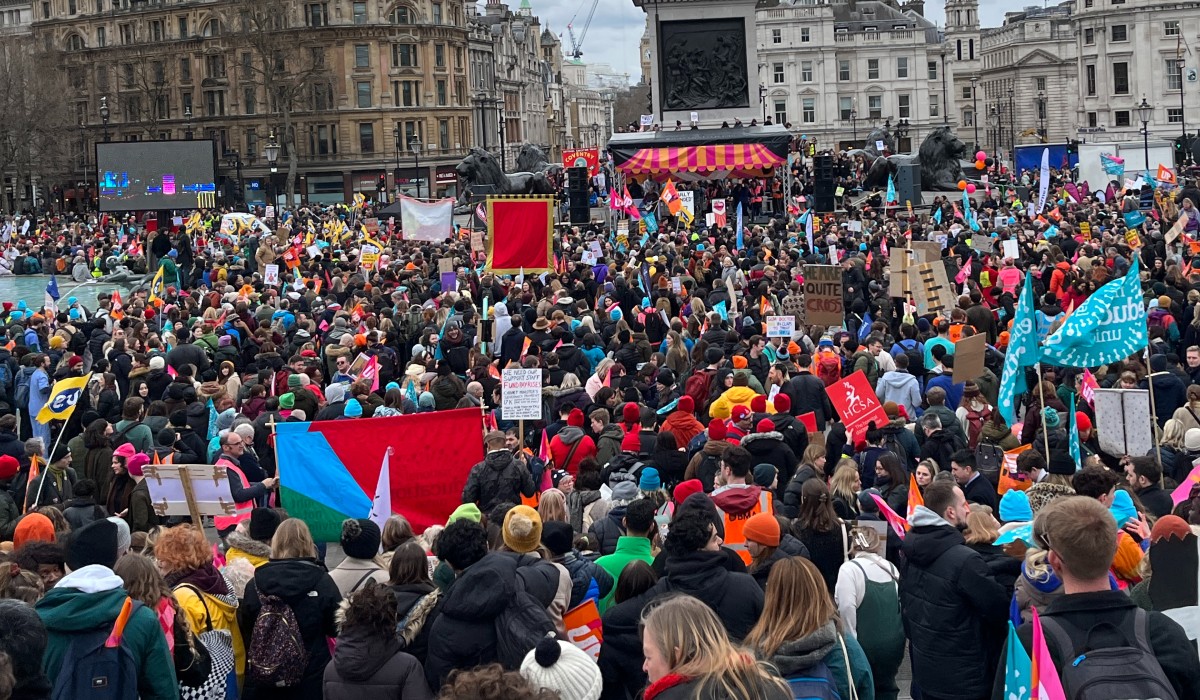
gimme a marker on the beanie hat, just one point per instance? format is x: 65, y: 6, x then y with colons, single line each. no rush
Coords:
x: 764, y: 426
x: 563, y: 668
x: 557, y: 536
x: 360, y: 538
x: 287, y: 401
x: 1164, y: 302
x: 294, y: 381
x: 713, y: 355
x: 263, y: 523
x: 758, y: 404
x: 1191, y: 440
x: 575, y: 418
x: 124, y: 536
x: 353, y: 409
x: 739, y: 413
x: 739, y: 362
x: 522, y: 529
x: 631, y: 443
x: 125, y: 451
x: 630, y: 413
x: 891, y: 409
x: 157, y: 362
x: 1169, y: 526
x: 1051, y: 417
x: 1122, y: 507
x: 764, y: 475
x: 793, y: 348
x: 718, y: 431
x: 467, y: 511
x: 763, y: 529
x: 1014, y: 507
x: 782, y: 403
x: 623, y: 493
x: 76, y: 360
x: 1082, y: 422
x: 9, y: 466
x: 687, y: 488
x: 135, y: 463
x: 34, y: 527
x: 686, y: 404
x: 649, y: 480
x: 94, y: 543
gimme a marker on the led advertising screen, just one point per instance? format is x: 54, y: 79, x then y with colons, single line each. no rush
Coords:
x: 156, y: 175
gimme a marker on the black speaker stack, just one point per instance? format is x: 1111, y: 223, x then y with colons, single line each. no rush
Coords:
x: 824, y: 200
x: 577, y: 195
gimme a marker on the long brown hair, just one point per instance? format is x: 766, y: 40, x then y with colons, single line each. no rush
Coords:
x: 816, y: 510
x: 797, y: 603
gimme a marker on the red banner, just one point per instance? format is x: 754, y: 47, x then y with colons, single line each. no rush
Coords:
x: 520, y: 234
x: 583, y: 158
x: 857, y: 404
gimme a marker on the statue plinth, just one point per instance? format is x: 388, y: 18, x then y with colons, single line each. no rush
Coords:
x: 702, y: 53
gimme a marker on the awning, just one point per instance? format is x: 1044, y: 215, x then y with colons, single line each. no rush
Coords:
x: 700, y: 154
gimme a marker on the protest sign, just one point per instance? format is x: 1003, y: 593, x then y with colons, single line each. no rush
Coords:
x: 271, y: 275
x: 1012, y: 249
x: 823, y: 305
x: 781, y: 326
x: 194, y: 490
x: 521, y: 394
x: 1123, y: 421
x: 968, y: 358
x: 857, y: 404
x: 477, y: 242
x: 931, y: 288
x: 583, y: 627
x: 926, y: 251
x: 898, y: 263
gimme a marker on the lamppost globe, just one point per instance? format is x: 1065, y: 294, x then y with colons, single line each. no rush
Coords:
x: 1145, y: 110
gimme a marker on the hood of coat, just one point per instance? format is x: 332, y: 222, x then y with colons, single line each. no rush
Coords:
x: 570, y: 435
x: 498, y: 460
x: 798, y: 655
x: 931, y: 536
x: 896, y: 379
x: 288, y: 578
x: 361, y: 652
x: 736, y: 499
x: 244, y: 542
x: 483, y: 590
x: 762, y: 441
x: 82, y: 600
x: 700, y: 574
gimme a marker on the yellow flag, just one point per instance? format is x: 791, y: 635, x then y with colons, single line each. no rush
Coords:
x: 63, y: 398
x: 156, y: 285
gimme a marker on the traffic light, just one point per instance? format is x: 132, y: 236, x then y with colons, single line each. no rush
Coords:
x: 1180, y: 151
x: 1073, y: 147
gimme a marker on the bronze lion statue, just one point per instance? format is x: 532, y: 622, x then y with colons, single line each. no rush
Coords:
x: 941, y: 156
x: 480, y: 172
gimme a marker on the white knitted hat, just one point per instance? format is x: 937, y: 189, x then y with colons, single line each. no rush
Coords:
x: 564, y: 668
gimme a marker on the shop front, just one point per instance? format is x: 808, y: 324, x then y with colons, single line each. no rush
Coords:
x: 325, y: 188
x: 411, y: 182
x: 445, y: 182
x: 367, y: 183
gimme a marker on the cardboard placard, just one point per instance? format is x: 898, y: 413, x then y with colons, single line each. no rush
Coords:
x: 983, y: 243
x: 1123, y: 421
x: 968, y: 358
x: 823, y: 304
x: 781, y: 326
x: 445, y: 265
x: 899, y: 260
x: 372, y: 225
x: 926, y: 251
x: 189, y: 489
x: 930, y: 288
x: 477, y: 242
x: 521, y: 394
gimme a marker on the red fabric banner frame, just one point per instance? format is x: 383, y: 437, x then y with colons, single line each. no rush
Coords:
x: 520, y: 234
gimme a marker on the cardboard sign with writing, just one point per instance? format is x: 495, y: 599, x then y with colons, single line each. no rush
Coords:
x: 823, y: 305
x: 445, y: 265
x: 983, y: 243
x: 521, y: 394
x: 372, y: 225
x: 781, y: 326
x: 857, y: 404
x: 926, y: 251
x: 968, y: 358
x: 930, y: 288
x: 477, y: 242
x: 1172, y: 233
x: 1086, y: 229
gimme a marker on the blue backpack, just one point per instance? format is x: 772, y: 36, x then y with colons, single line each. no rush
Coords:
x: 94, y: 670
x: 816, y: 684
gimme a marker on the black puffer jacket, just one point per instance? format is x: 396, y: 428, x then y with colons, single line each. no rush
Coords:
x: 583, y: 572
x: 499, y: 478
x: 368, y: 667
x: 769, y: 448
x: 464, y: 633
x: 954, y: 611
x: 621, y: 656
x: 735, y: 598
x: 608, y: 530
x: 416, y: 604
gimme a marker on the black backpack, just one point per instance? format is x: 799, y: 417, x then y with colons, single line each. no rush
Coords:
x: 891, y: 443
x: 122, y: 437
x: 916, y: 358
x: 1131, y: 671
x: 93, y: 670
x: 707, y: 471
x: 989, y: 459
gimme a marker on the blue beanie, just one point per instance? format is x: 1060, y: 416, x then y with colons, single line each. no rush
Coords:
x: 390, y: 386
x: 353, y: 409
x: 1122, y: 508
x: 649, y: 480
x: 1014, y: 507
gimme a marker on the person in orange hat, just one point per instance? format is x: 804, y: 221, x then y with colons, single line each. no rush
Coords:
x: 33, y: 527
x: 767, y: 544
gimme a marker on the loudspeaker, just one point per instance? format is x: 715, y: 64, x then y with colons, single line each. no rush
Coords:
x: 823, y: 184
x: 577, y: 195
x: 908, y: 184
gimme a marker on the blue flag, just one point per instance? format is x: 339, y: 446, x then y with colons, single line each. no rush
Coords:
x: 212, y: 420
x: 721, y: 308
x: 52, y: 288
x: 1073, y: 433
x: 1134, y: 219
x: 891, y: 191
x: 1018, y: 669
x: 1113, y: 165
x: 740, y: 241
x: 968, y: 215
x: 1023, y: 351
x: 937, y: 215
x: 651, y: 222
x: 1108, y: 326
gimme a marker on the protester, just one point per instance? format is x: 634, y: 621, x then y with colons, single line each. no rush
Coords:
x: 367, y: 662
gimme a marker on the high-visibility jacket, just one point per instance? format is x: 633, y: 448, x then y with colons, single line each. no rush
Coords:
x: 735, y: 538
x: 241, y: 510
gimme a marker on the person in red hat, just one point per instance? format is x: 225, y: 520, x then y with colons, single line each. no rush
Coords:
x: 707, y: 462
x: 741, y: 422
x: 682, y: 421
x: 570, y: 445
x: 766, y: 446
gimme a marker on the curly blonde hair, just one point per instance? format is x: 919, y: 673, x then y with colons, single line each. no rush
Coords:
x: 182, y: 548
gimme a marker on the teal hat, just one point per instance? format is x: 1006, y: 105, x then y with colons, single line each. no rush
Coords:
x: 1014, y: 507
x: 1122, y: 508
x: 390, y: 386
x: 353, y: 409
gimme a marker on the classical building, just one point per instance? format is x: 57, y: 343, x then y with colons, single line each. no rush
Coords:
x: 835, y: 70
x: 962, y: 51
x: 368, y: 92
x: 588, y: 121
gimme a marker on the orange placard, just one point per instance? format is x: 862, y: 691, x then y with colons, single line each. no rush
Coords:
x: 583, y: 627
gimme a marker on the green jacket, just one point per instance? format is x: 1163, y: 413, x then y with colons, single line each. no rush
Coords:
x: 628, y: 549
x: 67, y: 609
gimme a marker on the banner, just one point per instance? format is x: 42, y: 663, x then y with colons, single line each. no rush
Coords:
x: 582, y: 158
x: 426, y: 221
x: 329, y: 470
x: 1023, y: 351
x: 1044, y: 180
x: 1123, y: 421
x: 520, y: 234
x: 1110, y: 325
x: 857, y: 404
x: 63, y: 396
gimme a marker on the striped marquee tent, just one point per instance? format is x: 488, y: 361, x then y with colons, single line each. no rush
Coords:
x: 701, y: 154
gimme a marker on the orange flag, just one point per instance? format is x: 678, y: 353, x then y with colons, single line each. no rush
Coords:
x: 914, y: 496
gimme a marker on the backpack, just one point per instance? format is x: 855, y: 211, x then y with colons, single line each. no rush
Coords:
x: 23, y: 378
x: 989, y: 459
x: 121, y: 437
x: 706, y: 472
x: 276, y: 655
x: 697, y: 386
x: 817, y: 683
x: 891, y: 443
x: 6, y: 377
x: 523, y: 623
x: 93, y: 670
x: 975, y: 422
x: 1130, y: 671
x: 829, y: 368
x: 916, y: 358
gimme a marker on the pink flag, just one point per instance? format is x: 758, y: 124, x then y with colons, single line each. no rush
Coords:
x: 371, y: 371
x: 171, y: 372
x: 892, y: 517
x: 614, y: 202
x: 964, y: 273
x: 1045, y: 683
x: 1089, y: 387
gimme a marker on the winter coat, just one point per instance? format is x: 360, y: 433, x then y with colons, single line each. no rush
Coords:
x: 953, y: 610
x: 499, y: 478
x: 416, y: 608
x: 584, y: 507
x: 807, y: 393
x: 940, y: 446
x: 142, y: 516
x: 796, y: 657
x: 218, y: 607
x: 368, y: 667
x: 902, y: 388
x: 629, y: 549
x: 81, y: 511
x: 608, y: 530
x: 585, y: 573
x: 354, y: 574
x: 683, y: 426
x: 789, y: 505
x: 769, y: 448
x: 706, y: 463
x: 896, y: 432
x: 736, y: 598
x: 305, y: 586
x: 561, y: 446
x: 789, y: 546
x: 608, y: 444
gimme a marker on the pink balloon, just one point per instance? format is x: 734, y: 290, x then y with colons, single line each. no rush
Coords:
x: 980, y: 156
x: 970, y: 189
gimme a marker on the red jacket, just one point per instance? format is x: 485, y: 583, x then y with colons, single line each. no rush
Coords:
x: 559, y: 451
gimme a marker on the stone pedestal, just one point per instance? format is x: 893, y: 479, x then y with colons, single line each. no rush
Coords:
x: 703, y: 60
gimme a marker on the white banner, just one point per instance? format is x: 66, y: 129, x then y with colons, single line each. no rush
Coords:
x: 420, y: 221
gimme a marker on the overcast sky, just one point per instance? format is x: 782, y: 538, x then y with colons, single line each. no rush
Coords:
x: 617, y: 26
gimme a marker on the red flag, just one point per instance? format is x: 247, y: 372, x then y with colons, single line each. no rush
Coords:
x: 521, y: 233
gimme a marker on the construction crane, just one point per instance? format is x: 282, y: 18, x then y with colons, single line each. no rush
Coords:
x: 577, y: 44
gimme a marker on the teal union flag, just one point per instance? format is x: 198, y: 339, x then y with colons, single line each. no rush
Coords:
x: 1109, y: 326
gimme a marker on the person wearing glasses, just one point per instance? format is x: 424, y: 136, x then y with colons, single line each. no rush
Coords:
x: 243, y: 493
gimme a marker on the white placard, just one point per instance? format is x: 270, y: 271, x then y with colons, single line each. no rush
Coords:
x: 855, y: 226
x: 271, y: 275
x: 521, y: 394
x: 313, y: 250
x: 270, y: 212
x: 687, y: 199
x: 694, y: 116
x: 1012, y: 249
x: 1123, y: 421
x: 676, y: 286
x: 710, y: 219
x: 1000, y: 222
x: 597, y: 251
x: 879, y: 146
x: 647, y: 120
x: 177, y: 221
x: 781, y: 326
x: 589, y: 258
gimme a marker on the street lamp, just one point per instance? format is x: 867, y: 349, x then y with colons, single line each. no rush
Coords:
x: 1145, y: 111
x: 104, y: 114
x: 271, y: 153
x: 1012, y: 126
x: 396, y: 140
x: 1041, y: 102
x: 854, y: 124
x: 414, y: 145
x: 187, y: 116
x: 595, y: 134
x: 994, y: 126
x: 902, y: 127
x: 81, y: 189
x: 975, y: 108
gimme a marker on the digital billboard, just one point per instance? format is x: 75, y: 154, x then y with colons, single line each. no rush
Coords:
x: 154, y: 175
